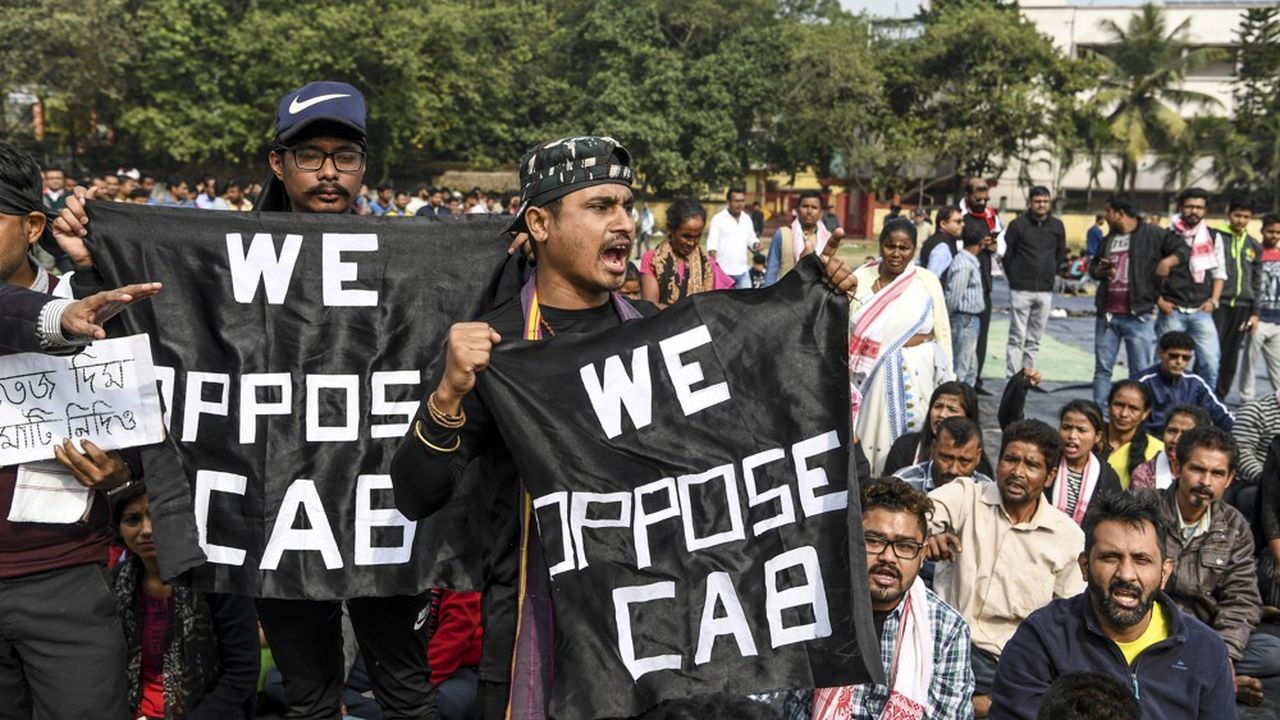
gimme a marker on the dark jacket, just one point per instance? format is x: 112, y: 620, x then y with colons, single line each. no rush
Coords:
x: 1269, y: 487
x: 903, y: 452
x: 1181, y: 288
x: 1213, y: 575
x: 1148, y: 246
x: 1244, y: 268
x: 19, y: 317
x: 1034, y: 250
x: 1187, y: 389
x: 211, y: 649
x: 1186, y: 675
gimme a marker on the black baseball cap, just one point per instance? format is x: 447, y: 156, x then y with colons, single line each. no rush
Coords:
x: 554, y: 169
x: 334, y: 102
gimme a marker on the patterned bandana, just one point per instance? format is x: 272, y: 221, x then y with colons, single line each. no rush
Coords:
x: 554, y: 169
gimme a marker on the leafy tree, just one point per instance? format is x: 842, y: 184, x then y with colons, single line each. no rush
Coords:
x: 1257, y: 96
x: 1144, y: 69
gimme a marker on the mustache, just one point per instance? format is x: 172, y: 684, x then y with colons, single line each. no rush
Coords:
x: 614, y: 239
x: 326, y: 189
x: 887, y: 568
x: 1118, y: 584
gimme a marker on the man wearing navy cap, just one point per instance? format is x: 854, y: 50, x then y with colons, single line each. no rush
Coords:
x: 317, y: 164
x: 575, y: 205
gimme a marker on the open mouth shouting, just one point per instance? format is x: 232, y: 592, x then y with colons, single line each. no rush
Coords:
x: 885, y: 577
x: 615, y: 254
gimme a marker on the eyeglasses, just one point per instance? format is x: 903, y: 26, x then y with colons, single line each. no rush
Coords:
x: 904, y: 549
x: 311, y: 160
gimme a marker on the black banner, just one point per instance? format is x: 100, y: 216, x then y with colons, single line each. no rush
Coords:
x: 293, y: 350
x: 690, y: 481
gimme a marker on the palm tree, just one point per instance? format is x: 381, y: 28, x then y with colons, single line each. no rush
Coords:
x: 1145, y: 66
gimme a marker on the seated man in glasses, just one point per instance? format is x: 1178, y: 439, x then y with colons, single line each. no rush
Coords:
x: 924, y: 644
x: 1004, y: 551
x: 1171, y: 383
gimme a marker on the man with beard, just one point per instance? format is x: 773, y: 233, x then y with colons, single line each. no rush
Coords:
x: 924, y: 643
x: 1008, y: 550
x: 1211, y: 547
x: 1124, y: 625
x: 1193, y: 290
x: 575, y: 204
x: 956, y: 452
x: 317, y: 163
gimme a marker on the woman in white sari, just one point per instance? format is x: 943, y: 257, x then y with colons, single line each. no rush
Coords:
x: 899, y: 343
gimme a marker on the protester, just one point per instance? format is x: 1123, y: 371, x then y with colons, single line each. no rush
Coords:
x: 757, y: 218
x: 1236, y: 316
x: 631, y: 286
x: 1035, y: 246
x: 900, y: 343
x: 679, y: 267
x: 924, y: 643
x: 949, y: 399
x: 235, y: 196
x: 982, y: 223
x: 920, y: 217
x: 789, y: 241
x: 575, y: 200
x: 1123, y: 626
x: 1093, y: 237
x: 962, y: 285
x: 956, y: 452
x: 209, y: 199
x: 1211, y: 548
x: 61, y: 650
x: 317, y: 162
x: 1266, y: 334
x: 938, y: 251
x: 1256, y: 423
x: 1008, y: 550
x: 400, y: 206
x: 1129, y: 268
x: 1126, y: 444
x: 383, y: 202
x: 189, y: 654
x: 1170, y: 384
x: 1160, y: 471
x: 435, y: 206
x: 1193, y: 290
x: 1268, y: 526
x: 179, y: 194
x: 732, y: 237
x: 1081, y: 476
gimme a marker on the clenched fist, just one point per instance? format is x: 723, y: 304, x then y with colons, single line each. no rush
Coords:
x: 469, y: 347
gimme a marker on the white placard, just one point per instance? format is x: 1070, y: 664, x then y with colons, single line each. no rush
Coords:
x: 106, y: 394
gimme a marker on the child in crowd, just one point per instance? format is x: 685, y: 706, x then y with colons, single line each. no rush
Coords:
x: 631, y: 285
x: 757, y: 270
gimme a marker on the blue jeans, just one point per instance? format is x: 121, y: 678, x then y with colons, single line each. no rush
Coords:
x: 1261, y: 656
x: 741, y: 282
x: 1199, y: 325
x: 1138, y: 334
x: 964, y: 345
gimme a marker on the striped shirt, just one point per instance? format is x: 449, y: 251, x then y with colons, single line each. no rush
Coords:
x: 951, y: 690
x: 963, y: 288
x: 1256, y: 423
x: 920, y: 476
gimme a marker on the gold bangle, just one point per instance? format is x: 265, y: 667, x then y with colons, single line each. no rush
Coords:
x: 417, y: 430
x: 443, y: 419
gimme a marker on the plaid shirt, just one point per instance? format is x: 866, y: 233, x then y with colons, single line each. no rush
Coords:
x: 920, y: 476
x: 950, y: 693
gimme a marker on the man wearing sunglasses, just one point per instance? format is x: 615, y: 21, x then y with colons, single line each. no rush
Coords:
x: 317, y: 165
x: 924, y: 644
x: 1171, y: 383
x: 1007, y: 550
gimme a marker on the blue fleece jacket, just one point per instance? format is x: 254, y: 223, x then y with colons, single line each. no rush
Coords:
x: 1188, y: 389
x: 1186, y: 675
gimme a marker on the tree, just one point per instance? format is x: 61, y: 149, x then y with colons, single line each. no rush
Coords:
x: 1144, y: 68
x: 1257, y: 104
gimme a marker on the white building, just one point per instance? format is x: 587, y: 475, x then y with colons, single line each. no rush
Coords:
x: 1076, y: 26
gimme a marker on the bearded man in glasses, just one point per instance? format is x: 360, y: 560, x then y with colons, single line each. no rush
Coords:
x: 924, y: 643
x: 317, y: 166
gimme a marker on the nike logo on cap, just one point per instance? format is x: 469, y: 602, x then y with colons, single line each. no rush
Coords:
x: 298, y: 106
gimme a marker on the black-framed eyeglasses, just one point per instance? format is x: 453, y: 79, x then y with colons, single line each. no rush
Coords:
x: 904, y: 549
x: 311, y: 160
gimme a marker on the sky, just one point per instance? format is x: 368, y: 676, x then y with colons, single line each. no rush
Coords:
x: 907, y: 8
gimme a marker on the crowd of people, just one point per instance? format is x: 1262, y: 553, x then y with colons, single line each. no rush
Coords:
x: 1117, y: 565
